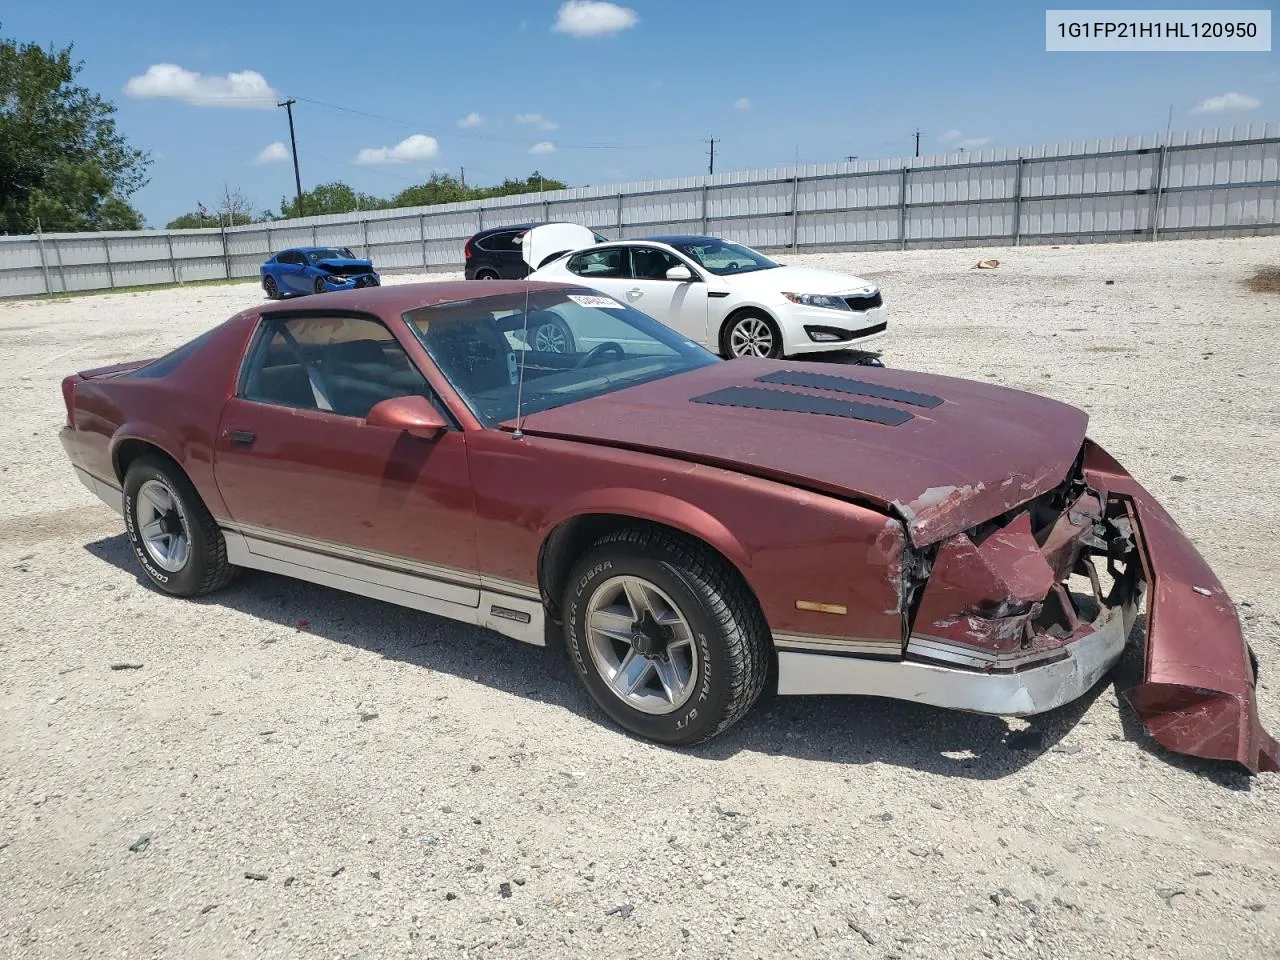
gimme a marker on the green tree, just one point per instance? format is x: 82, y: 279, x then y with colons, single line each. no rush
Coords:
x: 62, y: 160
x: 439, y: 188
x: 334, y: 197
x: 534, y: 183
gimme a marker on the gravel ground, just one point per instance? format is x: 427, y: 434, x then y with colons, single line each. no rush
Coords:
x: 294, y: 772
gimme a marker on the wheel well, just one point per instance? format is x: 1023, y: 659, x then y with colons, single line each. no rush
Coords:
x: 741, y: 311
x: 572, y: 538
x: 130, y: 450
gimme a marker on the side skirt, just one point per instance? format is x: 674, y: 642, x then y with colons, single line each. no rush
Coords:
x: 519, y: 617
x: 108, y: 493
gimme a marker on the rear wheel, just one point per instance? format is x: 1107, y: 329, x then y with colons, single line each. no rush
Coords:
x: 665, y: 635
x: 318, y: 286
x: 486, y: 275
x: 269, y: 285
x: 173, y: 535
x: 751, y: 334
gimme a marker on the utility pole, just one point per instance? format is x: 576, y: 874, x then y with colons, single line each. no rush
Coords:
x: 917, y: 136
x: 462, y: 176
x: 293, y: 140
x: 711, y: 167
x: 851, y: 158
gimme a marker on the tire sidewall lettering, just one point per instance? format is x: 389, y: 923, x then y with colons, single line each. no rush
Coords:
x: 135, y: 539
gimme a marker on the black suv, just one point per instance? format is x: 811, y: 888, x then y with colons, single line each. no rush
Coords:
x: 494, y: 254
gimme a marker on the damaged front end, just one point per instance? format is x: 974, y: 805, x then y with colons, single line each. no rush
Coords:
x: 1042, y: 599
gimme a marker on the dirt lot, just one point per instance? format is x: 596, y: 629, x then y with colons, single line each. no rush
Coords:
x: 321, y: 775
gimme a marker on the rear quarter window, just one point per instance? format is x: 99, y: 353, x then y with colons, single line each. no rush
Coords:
x: 171, y: 361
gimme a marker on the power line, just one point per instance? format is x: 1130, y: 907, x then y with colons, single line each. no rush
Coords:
x: 438, y: 127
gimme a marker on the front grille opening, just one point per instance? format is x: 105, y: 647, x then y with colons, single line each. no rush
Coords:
x: 865, y: 301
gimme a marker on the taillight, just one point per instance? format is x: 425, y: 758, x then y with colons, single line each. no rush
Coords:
x: 69, y: 397
x: 466, y: 250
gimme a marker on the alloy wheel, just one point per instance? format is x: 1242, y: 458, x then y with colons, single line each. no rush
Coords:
x: 162, y: 526
x: 751, y: 337
x: 641, y: 645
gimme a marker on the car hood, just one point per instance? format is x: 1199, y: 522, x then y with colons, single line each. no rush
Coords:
x: 542, y: 241
x: 963, y: 452
x: 339, y: 262
x: 799, y: 280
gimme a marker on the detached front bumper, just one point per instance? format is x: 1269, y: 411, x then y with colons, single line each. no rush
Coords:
x: 1197, y: 696
x: 997, y: 628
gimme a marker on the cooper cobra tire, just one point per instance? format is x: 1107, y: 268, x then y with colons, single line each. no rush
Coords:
x: 158, y: 497
x: 728, y: 639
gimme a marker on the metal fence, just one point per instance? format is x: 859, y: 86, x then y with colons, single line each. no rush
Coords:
x: 1223, y: 182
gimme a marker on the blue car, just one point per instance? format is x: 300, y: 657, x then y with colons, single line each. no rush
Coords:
x: 303, y: 270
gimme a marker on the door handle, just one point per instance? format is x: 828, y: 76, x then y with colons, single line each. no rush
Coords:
x: 634, y: 293
x: 244, y: 438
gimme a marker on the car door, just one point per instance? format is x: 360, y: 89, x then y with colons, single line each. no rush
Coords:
x: 307, y: 481
x: 291, y: 272
x: 680, y: 304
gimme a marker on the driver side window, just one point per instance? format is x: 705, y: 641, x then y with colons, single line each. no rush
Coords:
x: 340, y: 364
x: 650, y: 263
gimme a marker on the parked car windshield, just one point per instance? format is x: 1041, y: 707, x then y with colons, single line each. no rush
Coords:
x: 723, y: 257
x: 574, y: 344
x: 330, y: 253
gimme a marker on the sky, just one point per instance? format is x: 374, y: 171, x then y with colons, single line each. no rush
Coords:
x: 594, y: 92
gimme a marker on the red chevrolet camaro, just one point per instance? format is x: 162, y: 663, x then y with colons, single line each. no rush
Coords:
x: 517, y: 454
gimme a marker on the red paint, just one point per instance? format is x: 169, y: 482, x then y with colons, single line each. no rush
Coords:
x: 1197, y: 694
x: 803, y: 506
x: 985, y: 450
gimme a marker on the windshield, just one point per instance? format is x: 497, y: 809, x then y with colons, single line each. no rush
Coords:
x: 330, y: 253
x: 723, y: 257
x: 578, y: 345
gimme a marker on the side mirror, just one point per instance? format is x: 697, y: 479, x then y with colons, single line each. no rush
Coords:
x: 412, y: 415
x: 680, y: 273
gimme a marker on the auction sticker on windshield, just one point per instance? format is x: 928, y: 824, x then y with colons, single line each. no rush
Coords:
x: 601, y: 303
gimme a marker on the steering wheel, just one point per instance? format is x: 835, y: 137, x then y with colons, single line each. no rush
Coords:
x: 598, y: 351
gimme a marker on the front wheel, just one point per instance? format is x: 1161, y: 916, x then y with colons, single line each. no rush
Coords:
x: 751, y: 334
x: 318, y: 286
x: 665, y: 636
x: 174, y: 537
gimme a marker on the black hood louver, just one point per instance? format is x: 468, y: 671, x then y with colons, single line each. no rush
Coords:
x: 825, y: 381
x: 756, y: 398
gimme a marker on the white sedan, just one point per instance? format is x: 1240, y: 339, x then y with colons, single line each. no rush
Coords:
x: 724, y: 295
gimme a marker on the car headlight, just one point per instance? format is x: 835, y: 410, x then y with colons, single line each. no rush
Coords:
x: 817, y: 300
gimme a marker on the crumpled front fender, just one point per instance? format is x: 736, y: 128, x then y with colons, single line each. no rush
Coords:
x: 1197, y: 695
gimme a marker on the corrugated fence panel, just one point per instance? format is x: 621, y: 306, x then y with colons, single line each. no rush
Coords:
x: 1222, y: 182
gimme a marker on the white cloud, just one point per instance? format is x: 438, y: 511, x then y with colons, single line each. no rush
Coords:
x: 742, y: 103
x: 537, y: 121
x: 958, y: 141
x: 471, y: 121
x: 543, y: 148
x: 1227, y: 103
x: 167, y: 81
x: 594, y: 18
x: 412, y: 149
x: 273, y: 153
